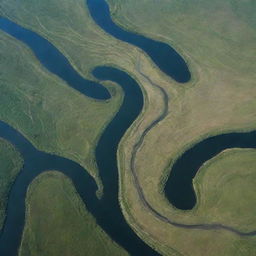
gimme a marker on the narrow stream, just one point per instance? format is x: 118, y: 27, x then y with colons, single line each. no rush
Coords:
x: 106, y: 210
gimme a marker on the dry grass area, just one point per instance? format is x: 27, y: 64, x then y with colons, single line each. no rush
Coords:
x: 218, y: 40
x: 57, y: 223
x: 226, y: 186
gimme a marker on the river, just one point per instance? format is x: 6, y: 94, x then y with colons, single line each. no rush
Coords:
x: 106, y: 210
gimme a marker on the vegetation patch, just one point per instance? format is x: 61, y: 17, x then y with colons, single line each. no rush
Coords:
x: 217, y: 42
x: 217, y: 39
x: 57, y: 222
x: 225, y: 187
x: 53, y: 116
x: 10, y: 165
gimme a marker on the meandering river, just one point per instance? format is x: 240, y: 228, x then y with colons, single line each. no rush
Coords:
x: 163, y: 55
x: 53, y: 60
x: 179, y: 188
x: 107, y: 210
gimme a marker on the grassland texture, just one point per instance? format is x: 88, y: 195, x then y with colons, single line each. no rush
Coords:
x: 228, y: 185
x: 10, y: 165
x: 58, y: 224
x: 69, y: 27
x: 53, y: 116
x: 217, y: 39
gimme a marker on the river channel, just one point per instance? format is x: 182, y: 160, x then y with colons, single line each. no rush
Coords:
x: 106, y: 210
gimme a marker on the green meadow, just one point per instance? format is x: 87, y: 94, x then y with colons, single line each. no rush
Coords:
x: 57, y: 222
x: 217, y: 39
x: 53, y: 116
x: 225, y: 189
x: 10, y: 165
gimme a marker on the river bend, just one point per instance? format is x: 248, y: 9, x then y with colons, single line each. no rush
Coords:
x: 106, y: 209
x: 162, y: 54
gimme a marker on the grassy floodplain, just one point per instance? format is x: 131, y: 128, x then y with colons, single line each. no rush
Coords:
x: 226, y: 189
x: 217, y: 39
x: 70, y: 28
x: 55, y: 117
x: 49, y: 113
x: 58, y: 224
x: 10, y: 165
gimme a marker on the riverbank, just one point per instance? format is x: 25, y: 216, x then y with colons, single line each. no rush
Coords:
x: 189, y: 111
x: 89, y: 47
x: 54, y: 117
x: 205, y: 108
x: 53, y: 207
x: 223, y: 180
x: 11, y: 163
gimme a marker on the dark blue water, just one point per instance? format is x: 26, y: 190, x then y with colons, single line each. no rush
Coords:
x: 179, y: 188
x: 107, y: 209
x: 164, y: 56
x: 53, y: 60
x: 35, y: 162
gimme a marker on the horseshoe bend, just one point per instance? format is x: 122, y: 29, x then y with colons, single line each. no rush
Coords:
x: 127, y: 128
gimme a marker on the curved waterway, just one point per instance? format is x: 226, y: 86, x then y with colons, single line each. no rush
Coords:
x: 179, y: 187
x: 107, y: 209
x: 236, y: 139
x: 53, y: 60
x: 163, y: 55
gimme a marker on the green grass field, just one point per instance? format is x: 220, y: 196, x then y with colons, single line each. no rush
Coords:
x: 226, y: 189
x: 53, y: 116
x: 58, y: 224
x: 50, y: 114
x: 216, y: 38
x: 70, y: 28
x: 10, y: 165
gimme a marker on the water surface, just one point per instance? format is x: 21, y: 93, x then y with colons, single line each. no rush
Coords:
x: 179, y: 187
x: 53, y: 60
x: 106, y: 210
x: 163, y: 55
